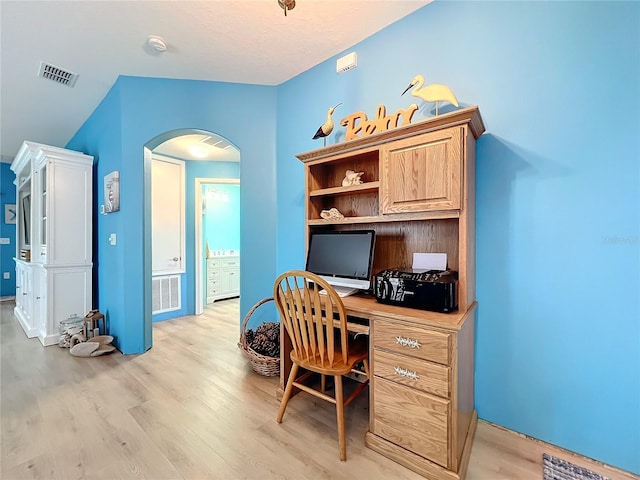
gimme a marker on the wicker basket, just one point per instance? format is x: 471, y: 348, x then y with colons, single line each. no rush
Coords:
x: 267, y: 366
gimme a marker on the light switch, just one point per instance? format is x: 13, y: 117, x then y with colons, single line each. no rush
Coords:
x: 5, y: 241
x: 6, y: 275
x: 112, y: 239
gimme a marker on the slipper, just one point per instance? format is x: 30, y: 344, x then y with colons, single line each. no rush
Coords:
x: 102, y: 339
x: 84, y: 349
x: 102, y: 350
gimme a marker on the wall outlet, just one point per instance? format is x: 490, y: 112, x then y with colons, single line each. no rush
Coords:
x: 6, y: 275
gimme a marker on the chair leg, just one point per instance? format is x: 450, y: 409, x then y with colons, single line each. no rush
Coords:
x: 323, y: 383
x: 342, y: 443
x: 366, y: 367
x: 287, y: 392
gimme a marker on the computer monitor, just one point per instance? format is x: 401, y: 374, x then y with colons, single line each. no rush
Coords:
x: 343, y: 258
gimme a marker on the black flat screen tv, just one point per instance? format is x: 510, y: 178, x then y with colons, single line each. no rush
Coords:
x: 343, y: 258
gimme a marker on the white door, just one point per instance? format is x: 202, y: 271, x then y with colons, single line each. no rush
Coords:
x: 167, y: 216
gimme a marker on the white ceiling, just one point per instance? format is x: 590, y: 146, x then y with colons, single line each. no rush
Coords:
x: 229, y: 41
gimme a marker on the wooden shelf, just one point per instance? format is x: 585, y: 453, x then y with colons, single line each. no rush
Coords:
x: 363, y: 187
x: 397, y: 217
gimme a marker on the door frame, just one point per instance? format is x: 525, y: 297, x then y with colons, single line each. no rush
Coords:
x: 198, y: 271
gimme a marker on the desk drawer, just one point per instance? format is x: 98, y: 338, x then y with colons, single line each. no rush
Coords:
x: 411, y: 419
x: 412, y: 372
x: 414, y: 341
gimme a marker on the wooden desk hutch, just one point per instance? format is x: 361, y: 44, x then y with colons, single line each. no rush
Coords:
x: 418, y: 195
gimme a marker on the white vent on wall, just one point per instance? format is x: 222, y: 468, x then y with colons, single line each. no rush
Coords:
x: 57, y: 74
x: 347, y: 62
x: 166, y: 294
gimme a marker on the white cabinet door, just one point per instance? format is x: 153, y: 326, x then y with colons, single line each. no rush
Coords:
x: 39, y: 215
x: 39, y: 299
x: 19, y: 286
x: 234, y: 281
x: 167, y: 216
x: 24, y: 298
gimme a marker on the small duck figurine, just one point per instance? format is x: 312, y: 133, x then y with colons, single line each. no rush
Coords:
x: 431, y: 93
x: 327, y: 127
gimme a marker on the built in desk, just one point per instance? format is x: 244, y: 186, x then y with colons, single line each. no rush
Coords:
x: 421, y: 403
x: 418, y: 194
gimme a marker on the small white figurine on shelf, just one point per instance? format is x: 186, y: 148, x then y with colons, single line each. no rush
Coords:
x: 331, y: 213
x: 352, y: 178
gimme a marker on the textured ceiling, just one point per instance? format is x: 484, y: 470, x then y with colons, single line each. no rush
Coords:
x: 230, y: 41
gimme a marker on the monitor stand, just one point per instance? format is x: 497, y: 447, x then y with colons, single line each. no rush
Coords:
x: 342, y: 291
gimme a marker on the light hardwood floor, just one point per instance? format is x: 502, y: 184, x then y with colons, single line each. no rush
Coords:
x: 189, y: 408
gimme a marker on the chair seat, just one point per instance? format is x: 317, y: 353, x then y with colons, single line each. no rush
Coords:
x: 358, y: 351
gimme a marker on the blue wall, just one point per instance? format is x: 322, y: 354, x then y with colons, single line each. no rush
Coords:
x: 558, y: 199
x: 137, y: 110
x: 221, y: 224
x: 7, y: 252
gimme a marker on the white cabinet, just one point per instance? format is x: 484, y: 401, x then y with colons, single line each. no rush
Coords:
x: 54, y: 248
x: 223, y: 277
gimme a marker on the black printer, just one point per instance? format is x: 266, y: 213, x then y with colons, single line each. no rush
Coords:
x: 434, y: 290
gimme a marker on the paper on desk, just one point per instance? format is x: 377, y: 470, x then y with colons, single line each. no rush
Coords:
x: 430, y: 261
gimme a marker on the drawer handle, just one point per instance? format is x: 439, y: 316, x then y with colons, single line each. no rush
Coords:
x: 407, y: 342
x: 403, y: 372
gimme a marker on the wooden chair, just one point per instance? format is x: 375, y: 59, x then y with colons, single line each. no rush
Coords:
x: 320, y: 343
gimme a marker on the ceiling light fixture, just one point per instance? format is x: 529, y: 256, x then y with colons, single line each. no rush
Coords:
x: 199, y: 151
x: 287, y: 5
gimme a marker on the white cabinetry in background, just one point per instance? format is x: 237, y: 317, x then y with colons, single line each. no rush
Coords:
x: 223, y: 277
x: 54, y: 251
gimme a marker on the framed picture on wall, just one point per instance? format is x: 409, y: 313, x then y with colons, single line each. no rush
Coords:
x: 112, y: 192
x: 10, y: 213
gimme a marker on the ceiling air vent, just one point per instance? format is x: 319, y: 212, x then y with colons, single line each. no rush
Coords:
x: 216, y: 142
x: 57, y: 74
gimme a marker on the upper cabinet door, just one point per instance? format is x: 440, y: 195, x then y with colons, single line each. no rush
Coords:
x: 422, y: 173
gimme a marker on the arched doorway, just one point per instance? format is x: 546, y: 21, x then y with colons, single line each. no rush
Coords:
x: 206, y: 156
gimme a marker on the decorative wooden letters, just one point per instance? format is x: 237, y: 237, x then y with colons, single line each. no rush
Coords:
x: 359, y: 126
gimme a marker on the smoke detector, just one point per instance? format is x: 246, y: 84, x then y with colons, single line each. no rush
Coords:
x: 156, y: 43
x: 57, y: 74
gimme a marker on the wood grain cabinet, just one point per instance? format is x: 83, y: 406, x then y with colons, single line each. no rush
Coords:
x: 422, y: 411
x: 422, y: 173
x: 419, y: 196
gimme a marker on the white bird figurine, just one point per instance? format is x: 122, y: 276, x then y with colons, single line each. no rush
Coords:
x: 431, y: 93
x: 327, y: 127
